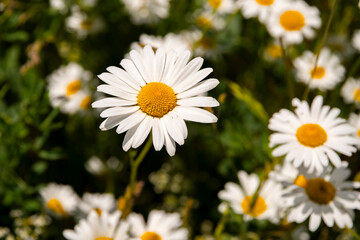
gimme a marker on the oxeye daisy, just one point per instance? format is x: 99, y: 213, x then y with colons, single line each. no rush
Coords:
x: 68, y: 88
x: 326, y: 196
x: 293, y: 20
x: 241, y: 197
x: 159, y: 226
x: 223, y: 6
x: 96, y: 201
x: 94, y: 227
x: 147, y: 12
x: 356, y: 40
x: 312, y: 135
x: 325, y: 75
x: 60, y: 199
x: 354, y: 121
x: 351, y: 91
x: 259, y: 8
x: 156, y: 92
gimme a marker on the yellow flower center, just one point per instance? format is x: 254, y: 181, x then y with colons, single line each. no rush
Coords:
x: 301, y: 181
x: 292, y: 20
x: 203, y: 22
x: 265, y: 2
x: 55, y: 206
x: 85, y: 103
x: 214, y: 3
x: 103, y: 238
x: 274, y: 51
x: 320, y: 191
x: 318, y: 72
x: 311, y: 135
x: 150, y: 236
x: 98, y: 211
x: 357, y: 95
x: 358, y: 133
x: 73, y: 87
x: 156, y: 99
x: 85, y: 25
x: 253, y: 209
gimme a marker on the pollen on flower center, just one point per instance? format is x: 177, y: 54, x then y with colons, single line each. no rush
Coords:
x: 320, y: 191
x: 301, y: 181
x: 357, y: 95
x: 311, y: 135
x: 73, y: 87
x: 150, y: 236
x: 103, y: 238
x: 253, y: 209
x: 214, y: 3
x: 156, y: 99
x: 85, y: 103
x: 318, y: 72
x: 265, y: 2
x: 55, y: 206
x: 292, y: 20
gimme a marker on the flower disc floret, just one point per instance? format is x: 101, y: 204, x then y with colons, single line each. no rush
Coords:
x: 265, y: 2
x: 55, y: 206
x: 292, y: 20
x: 255, y: 208
x: 320, y: 191
x: 151, y: 236
x: 311, y: 135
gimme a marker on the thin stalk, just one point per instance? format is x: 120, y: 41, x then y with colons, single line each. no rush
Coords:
x: 287, y: 63
x: 307, y: 90
x: 220, y: 226
x: 353, y: 233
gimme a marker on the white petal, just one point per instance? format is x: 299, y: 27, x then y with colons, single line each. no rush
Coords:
x: 195, y: 114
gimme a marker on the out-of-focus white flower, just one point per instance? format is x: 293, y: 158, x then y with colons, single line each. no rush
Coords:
x: 60, y: 199
x: 89, y: 3
x: 4, y: 231
x: 95, y: 166
x: 354, y: 121
x: 293, y: 20
x: 356, y: 40
x: 94, y: 227
x: 223, y: 6
x: 209, y: 20
x: 273, y: 51
x: 160, y: 225
x: 147, y: 11
x: 351, y: 91
x: 104, y: 202
x: 241, y: 198
x: 327, y: 73
x: 59, y: 5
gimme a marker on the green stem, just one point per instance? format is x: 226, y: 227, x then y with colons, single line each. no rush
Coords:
x: 135, y: 163
x: 353, y: 233
x: 288, y: 67
x: 307, y: 90
x: 220, y: 226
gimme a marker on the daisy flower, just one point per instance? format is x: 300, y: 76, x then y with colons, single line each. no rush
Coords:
x: 58, y: 5
x: 273, y: 51
x: 351, y: 91
x: 284, y: 174
x: 60, y: 199
x: 156, y: 92
x: 356, y: 40
x: 240, y: 197
x: 354, y: 121
x: 293, y: 20
x: 170, y: 41
x: 312, y: 135
x: 325, y: 75
x: 96, y: 201
x: 147, y: 12
x: 223, y: 6
x: 325, y: 196
x: 259, y: 8
x: 94, y: 227
x: 68, y: 88
x: 160, y: 225
x: 209, y: 20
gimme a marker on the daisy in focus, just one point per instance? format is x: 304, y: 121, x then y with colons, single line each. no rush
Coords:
x: 60, y: 199
x: 147, y: 12
x: 240, y: 198
x: 159, y: 226
x: 98, y: 202
x: 156, y: 92
x: 351, y: 91
x: 325, y: 75
x: 356, y: 40
x: 68, y: 88
x: 312, y: 135
x: 259, y: 8
x: 326, y: 196
x: 293, y: 20
x: 94, y: 227
x: 354, y: 121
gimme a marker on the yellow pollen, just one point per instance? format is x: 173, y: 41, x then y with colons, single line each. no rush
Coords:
x: 274, y: 51
x: 85, y: 103
x: 358, y: 133
x: 320, y: 191
x: 73, y: 87
x: 318, y: 72
x: 311, y: 135
x: 357, y: 95
x: 103, y: 238
x: 156, y: 99
x: 265, y: 2
x: 301, y: 181
x: 214, y: 3
x: 203, y: 22
x: 55, y: 206
x: 255, y: 209
x: 292, y: 20
x: 150, y: 236
x: 98, y: 211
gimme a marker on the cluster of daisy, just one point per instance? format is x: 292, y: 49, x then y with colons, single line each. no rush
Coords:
x: 101, y: 220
